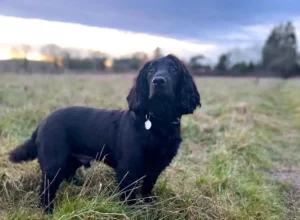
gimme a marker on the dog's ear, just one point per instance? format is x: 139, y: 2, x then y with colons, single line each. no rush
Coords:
x: 138, y: 96
x: 188, y: 97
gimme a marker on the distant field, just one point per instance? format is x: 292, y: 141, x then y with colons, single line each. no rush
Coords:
x: 239, y: 159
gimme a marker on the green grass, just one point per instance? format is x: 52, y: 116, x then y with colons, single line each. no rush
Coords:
x: 231, y: 147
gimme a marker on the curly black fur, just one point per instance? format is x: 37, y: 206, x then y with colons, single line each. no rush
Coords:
x: 71, y: 137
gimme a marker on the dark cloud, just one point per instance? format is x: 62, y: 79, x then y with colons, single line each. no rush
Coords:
x: 192, y: 19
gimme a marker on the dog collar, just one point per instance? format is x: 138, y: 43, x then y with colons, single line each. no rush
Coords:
x: 148, y: 123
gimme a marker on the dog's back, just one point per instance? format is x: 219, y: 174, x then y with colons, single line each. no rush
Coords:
x: 77, y: 129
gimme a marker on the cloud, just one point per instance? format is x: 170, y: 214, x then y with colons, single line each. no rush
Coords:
x: 115, y: 42
x: 248, y: 38
x: 170, y: 18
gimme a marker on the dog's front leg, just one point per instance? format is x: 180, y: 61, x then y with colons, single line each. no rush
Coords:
x: 148, y: 185
x: 128, y: 180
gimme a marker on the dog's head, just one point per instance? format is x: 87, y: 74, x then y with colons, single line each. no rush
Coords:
x: 164, y: 84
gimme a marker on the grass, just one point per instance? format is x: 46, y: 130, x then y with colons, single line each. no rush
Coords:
x: 225, y: 168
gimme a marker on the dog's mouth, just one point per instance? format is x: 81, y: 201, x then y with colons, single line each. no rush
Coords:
x: 156, y: 94
x: 160, y: 94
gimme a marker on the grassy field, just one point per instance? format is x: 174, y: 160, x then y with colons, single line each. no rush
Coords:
x: 239, y: 159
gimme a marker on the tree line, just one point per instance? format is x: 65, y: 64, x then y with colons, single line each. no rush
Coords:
x: 279, y: 57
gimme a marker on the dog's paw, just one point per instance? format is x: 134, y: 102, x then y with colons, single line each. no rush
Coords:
x: 128, y: 201
x: 149, y: 199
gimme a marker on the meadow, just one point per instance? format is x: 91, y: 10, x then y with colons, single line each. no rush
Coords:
x: 239, y: 159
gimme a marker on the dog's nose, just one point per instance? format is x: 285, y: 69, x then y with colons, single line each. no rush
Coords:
x: 159, y: 80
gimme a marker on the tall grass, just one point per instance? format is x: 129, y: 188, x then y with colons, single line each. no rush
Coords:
x: 231, y: 146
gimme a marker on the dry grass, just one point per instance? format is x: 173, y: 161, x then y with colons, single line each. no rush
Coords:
x: 242, y: 132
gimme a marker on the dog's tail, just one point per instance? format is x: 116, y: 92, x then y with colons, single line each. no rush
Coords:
x: 25, y: 151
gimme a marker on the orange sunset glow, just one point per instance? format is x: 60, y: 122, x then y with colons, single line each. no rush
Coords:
x: 14, y: 53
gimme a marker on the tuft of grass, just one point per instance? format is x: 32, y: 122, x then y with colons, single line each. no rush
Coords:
x: 243, y: 132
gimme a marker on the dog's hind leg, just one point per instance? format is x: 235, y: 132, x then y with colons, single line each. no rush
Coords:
x: 72, y: 166
x: 51, y: 179
x: 53, y: 157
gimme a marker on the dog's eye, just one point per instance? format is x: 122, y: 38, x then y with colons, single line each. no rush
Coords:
x: 173, y: 70
x: 151, y: 70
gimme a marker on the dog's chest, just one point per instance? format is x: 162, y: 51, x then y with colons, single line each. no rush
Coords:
x: 160, y: 148
x: 159, y: 142
x: 159, y: 156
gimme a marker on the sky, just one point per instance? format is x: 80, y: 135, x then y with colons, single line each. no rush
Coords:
x: 184, y: 27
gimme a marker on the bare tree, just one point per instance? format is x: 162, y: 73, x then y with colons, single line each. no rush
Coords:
x: 55, y: 53
x: 96, y: 56
x: 66, y: 57
x: 19, y: 53
x: 157, y: 53
x: 141, y: 56
x: 196, y: 63
x: 25, y: 49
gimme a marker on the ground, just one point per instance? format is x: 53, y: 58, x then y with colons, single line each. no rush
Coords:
x: 240, y: 157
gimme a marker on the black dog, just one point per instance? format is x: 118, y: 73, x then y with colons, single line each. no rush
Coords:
x: 139, y: 142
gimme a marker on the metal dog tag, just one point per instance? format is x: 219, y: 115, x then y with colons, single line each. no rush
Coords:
x: 148, y: 124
